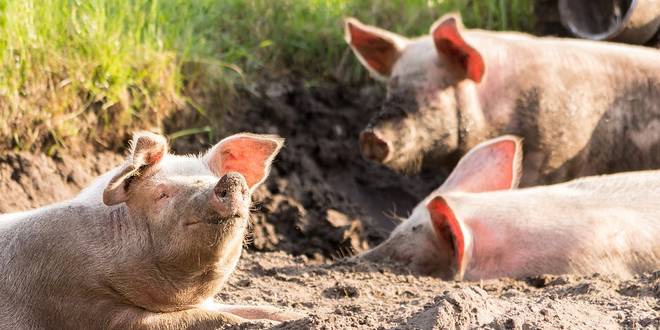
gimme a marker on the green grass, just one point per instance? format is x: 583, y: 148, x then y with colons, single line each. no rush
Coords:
x: 93, y: 70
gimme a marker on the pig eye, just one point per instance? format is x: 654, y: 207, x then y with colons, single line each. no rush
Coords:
x: 163, y: 195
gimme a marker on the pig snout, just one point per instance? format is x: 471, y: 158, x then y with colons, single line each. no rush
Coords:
x: 374, y: 147
x: 231, y: 196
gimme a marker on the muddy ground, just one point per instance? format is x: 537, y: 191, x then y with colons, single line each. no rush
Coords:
x: 323, y: 203
x: 345, y: 295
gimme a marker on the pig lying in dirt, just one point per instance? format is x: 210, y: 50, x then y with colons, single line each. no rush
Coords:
x: 583, y: 107
x: 147, y: 245
x: 475, y: 227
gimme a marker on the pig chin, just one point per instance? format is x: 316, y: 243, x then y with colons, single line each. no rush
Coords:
x: 238, y: 219
x: 213, y: 222
x: 417, y: 151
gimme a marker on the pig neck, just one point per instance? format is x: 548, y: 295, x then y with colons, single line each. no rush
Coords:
x: 479, y: 115
x: 473, y: 126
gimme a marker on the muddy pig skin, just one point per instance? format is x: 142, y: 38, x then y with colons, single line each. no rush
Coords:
x: 476, y: 226
x: 582, y: 107
x: 147, y: 245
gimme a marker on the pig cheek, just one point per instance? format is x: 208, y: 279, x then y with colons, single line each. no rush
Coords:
x: 427, y: 260
x: 439, y: 132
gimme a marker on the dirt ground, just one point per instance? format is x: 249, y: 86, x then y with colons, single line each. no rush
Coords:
x: 323, y: 203
x: 346, y: 295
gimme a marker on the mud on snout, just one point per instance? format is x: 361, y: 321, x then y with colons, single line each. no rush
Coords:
x: 405, y: 149
x: 225, y: 204
x: 407, y: 136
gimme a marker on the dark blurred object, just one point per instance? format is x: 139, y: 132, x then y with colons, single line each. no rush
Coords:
x: 547, y: 19
x: 629, y: 21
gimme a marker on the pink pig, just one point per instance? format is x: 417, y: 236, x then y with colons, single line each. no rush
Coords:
x: 146, y: 246
x: 476, y: 226
x: 583, y: 107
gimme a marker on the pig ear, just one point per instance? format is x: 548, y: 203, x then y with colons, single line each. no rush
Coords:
x: 449, y: 228
x: 245, y: 153
x: 491, y: 165
x: 145, y: 152
x: 446, y: 33
x: 376, y: 49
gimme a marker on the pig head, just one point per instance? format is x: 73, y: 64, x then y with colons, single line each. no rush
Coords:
x: 195, y: 220
x: 146, y: 245
x: 419, y: 116
x: 437, y: 245
x: 475, y: 226
x: 454, y: 88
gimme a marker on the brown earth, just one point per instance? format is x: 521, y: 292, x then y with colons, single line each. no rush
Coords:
x: 346, y: 295
x: 323, y: 202
x: 28, y: 181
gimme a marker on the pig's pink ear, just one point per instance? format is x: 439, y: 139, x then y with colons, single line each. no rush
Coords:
x: 446, y: 33
x: 450, y: 229
x: 248, y: 154
x: 492, y: 165
x: 376, y: 49
x: 145, y: 152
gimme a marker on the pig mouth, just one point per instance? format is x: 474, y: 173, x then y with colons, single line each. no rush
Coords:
x: 215, y: 220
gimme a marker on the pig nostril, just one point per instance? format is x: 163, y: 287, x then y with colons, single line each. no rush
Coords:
x: 373, y: 147
x: 223, y: 193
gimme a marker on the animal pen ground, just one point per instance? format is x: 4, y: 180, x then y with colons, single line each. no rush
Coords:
x: 323, y: 203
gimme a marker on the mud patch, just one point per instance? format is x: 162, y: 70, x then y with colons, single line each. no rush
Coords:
x: 389, y: 297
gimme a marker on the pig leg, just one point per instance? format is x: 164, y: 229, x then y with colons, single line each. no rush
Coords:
x: 260, y: 313
x: 253, y: 312
x: 194, y: 318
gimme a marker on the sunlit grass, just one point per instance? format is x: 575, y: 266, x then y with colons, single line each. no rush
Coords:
x: 92, y: 70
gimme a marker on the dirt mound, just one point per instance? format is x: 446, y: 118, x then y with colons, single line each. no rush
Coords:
x: 28, y: 181
x: 346, y: 295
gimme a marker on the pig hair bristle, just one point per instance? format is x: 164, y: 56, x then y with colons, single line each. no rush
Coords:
x: 393, y: 216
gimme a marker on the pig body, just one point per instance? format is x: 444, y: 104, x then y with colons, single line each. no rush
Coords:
x: 582, y: 107
x: 147, y: 245
x: 605, y: 224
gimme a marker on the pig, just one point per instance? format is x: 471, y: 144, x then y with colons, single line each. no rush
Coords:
x: 477, y: 226
x: 583, y: 107
x: 147, y: 245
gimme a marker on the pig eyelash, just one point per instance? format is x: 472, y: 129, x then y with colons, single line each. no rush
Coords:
x: 393, y: 216
x: 163, y: 195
